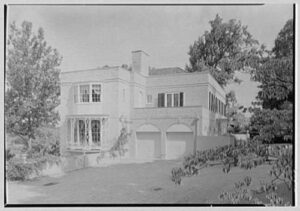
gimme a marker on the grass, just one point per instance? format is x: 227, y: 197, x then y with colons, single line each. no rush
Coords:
x: 133, y: 183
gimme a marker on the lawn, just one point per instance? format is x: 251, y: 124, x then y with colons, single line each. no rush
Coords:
x: 132, y: 183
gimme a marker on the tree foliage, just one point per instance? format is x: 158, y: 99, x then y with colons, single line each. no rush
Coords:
x: 227, y: 47
x: 32, y: 79
x: 237, y: 121
x: 284, y: 43
x: 273, y: 121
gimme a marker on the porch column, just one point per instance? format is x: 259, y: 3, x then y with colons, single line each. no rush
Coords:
x: 72, y: 132
x: 163, y: 144
x: 78, y: 138
x: 90, y: 142
x: 101, y: 120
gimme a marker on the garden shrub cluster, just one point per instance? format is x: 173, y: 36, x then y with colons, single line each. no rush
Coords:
x: 44, y: 150
x: 245, y: 155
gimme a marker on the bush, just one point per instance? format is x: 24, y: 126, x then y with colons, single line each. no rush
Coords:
x: 9, y: 154
x: 246, y: 155
x: 176, y: 175
x: 45, y: 149
x: 18, y: 170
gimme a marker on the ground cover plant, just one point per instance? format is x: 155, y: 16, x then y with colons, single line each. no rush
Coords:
x: 246, y: 156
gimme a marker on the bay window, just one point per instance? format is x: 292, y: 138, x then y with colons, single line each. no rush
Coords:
x: 84, y: 93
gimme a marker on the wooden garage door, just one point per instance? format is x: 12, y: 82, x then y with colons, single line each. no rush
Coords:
x: 179, y: 144
x: 148, y: 145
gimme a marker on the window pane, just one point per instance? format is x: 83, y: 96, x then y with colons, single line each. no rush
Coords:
x: 176, y: 100
x: 169, y: 100
x: 161, y: 100
x: 181, y: 99
x: 75, y: 131
x: 81, y: 132
x: 84, y: 93
x: 96, y: 132
x: 96, y: 92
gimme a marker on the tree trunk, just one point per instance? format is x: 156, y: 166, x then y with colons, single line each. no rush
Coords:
x: 29, y: 144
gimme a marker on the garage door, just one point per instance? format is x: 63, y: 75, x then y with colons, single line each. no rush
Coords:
x: 148, y: 142
x: 179, y: 142
x: 148, y: 145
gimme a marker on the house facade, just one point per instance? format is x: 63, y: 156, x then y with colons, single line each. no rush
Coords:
x: 165, y: 110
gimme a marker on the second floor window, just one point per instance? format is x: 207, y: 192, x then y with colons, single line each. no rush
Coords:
x: 84, y: 93
x: 87, y: 93
x: 96, y: 91
x: 170, y: 99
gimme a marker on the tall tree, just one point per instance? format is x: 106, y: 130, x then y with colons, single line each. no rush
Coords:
x: 237, y: 121
x: 32, y: 78
x: 225, y: 48
x: 284, y: 43
x: 274, y: 120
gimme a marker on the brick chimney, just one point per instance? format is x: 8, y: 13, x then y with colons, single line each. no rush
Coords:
x: 140, y: 62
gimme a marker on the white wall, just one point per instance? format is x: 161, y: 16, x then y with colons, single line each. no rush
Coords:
x: 210, y: 142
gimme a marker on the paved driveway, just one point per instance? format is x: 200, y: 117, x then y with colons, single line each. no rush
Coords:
x: 130, y: 183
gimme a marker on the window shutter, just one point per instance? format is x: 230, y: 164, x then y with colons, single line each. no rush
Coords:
x: 161, y: 100
x: 181, y: 99
x: 209, y: 100
x: 75, y: 92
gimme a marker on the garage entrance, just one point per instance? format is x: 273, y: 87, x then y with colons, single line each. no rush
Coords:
x: 179, y: 141
x: 148, y: 142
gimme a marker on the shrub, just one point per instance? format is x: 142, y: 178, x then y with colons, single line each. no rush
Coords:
x: 176, y: 175
x: 18, y: 170
x: 45, y: 149
x: 9, y: 154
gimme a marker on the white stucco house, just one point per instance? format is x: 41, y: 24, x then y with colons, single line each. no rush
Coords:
x: 168, y: 111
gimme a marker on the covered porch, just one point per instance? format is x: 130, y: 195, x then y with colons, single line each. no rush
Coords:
x: 86, y: 132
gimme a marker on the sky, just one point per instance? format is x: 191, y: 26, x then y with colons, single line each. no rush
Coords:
x: 94, y: 36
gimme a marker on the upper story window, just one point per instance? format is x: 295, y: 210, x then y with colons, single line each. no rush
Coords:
x: 87, y: 93
x: 84, y: 93
x: 216, y: 105
x: 170, y: 99
x: 96, y: 91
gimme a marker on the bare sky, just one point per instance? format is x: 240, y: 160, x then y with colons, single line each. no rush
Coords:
x: 91, y: 36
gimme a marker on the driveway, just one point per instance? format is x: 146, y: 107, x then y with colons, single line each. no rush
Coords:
x: 130, y: 183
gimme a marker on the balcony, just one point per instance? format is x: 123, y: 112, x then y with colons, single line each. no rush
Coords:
x: 166, y: 112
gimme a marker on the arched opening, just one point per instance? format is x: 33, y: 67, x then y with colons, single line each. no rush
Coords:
x: 179, y: 141
x: 148, y: 139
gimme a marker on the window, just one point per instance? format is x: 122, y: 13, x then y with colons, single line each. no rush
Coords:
x: 170, y: 99
x: 181, y: 99
x: 87, y: 93
x: 176, y: 100
x: 95, y: 132
x: 96, y: 92
x: 84, y: 93
x: 82, y: 136
x: 161, y: 100
x: 75, y: 131
x: 149, y: 99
